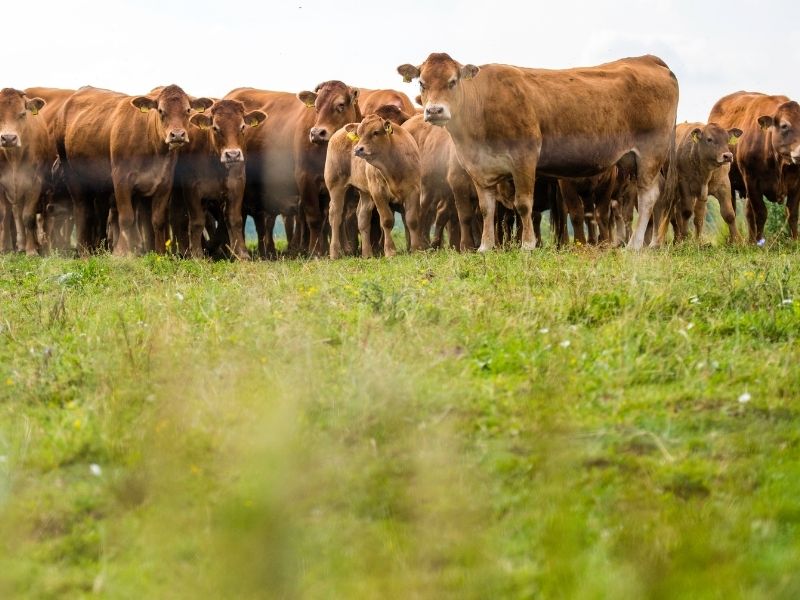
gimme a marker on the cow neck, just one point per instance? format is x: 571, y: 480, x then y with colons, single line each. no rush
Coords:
x: 359, y: 116
x: 396, y: 165
x: 462, y: 126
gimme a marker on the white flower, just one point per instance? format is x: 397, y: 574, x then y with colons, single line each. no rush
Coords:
x: 179, y: 296
x: 544, y: 330
x: 787, y: 302
x: 694, y: 300
x: 565, y: 344
x: 3, y: 459
x: 761, y: 243
x: 690, y: 326
x: 745, y: 398
x: 95, y: 470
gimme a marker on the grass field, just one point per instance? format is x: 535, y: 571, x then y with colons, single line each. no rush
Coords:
x: 573, y: 424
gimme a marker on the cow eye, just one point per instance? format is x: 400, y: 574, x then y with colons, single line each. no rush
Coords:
x: 161, y: 112
x: 23, y: 114
x: 452, y: 84
x: 421, y: 86
x: 216, y: 129
x: 243, y: 127
x: 188, y: 110
x: 340, y: 107
x: 709, y: 140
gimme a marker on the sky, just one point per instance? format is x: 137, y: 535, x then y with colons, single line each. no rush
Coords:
x: 210, y: 48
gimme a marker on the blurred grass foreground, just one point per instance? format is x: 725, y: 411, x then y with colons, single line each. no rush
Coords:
x: 568, y: 424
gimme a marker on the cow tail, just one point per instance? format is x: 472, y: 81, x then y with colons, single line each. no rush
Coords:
x: 669, y: 197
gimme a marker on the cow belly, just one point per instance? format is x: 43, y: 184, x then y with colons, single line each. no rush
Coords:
x: 578, y: 160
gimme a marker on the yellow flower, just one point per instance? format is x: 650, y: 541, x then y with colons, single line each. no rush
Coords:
x: 195, y: 470
x: 168, y: 244
x: 77, y: 424
x: 9, y: 381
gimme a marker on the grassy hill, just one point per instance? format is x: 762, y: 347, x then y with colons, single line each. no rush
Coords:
x: 573, y: 424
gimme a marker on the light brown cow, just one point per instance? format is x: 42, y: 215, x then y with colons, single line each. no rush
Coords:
x: 212, y: 168
x: 110, y: 142
x: 702, y: 161
x: 382, y: 162
x: 57, y: 204
x: 287, y: 163
x: 767, y: 156
x: 511, y: 122
x: 26, y: 155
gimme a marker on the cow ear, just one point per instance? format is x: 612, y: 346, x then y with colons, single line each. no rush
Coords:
x: 354, y: 92
x: 734, y: 134
x: 408, y: 72
x: 387, y: 125
x: 201, y: 104
x: 469, y: 71
x: 307, y: 98
x: 351, y: 128
x: 34, y: 105
x: 255, y: 118
x: 201, y: 120
x: 144, y: 104
x: 418, y: 99
x: 696, y: 133
x: 765, y: 122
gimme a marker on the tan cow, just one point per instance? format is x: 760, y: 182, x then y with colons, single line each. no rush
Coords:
x: 767, y: 156
x: 702, y: 161
x: 382, y: 162
x: 212, y: 168
x: 26, y: 155
x: 512, y: 122
x: 113, y: 143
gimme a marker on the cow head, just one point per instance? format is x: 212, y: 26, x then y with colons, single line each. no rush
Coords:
x: 228, y: 123
x: 336, y: 105
x: 440, y: 85
x: 15, y: 110
x: 784, y: 127
x: 371, y: 138
x: 713, y: 143
x: 174, y: 109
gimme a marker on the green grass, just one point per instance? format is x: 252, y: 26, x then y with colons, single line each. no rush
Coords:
x: 548, y: 425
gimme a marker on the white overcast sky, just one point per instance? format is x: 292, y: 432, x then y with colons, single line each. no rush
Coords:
x: 211, y: 47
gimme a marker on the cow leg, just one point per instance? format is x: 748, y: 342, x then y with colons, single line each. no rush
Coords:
x: 574, y: 206
x: 335, y: 216
x: 311, y: 210
x: 6, y: 222
x: 647, y: 197
x: 442, y: 219
x: 128, y: 238
x: 197, y: 220
x: 487, y: 201
x: 700, y: 207
x: 415, y: 240
x: 365, y: 206
x: 756, y: 211
x: 29, y: 210
x: 387, y: 223
x: 159, y: 220
x: 793, y: 208
x: 462, y: 198
x: 234, y: 212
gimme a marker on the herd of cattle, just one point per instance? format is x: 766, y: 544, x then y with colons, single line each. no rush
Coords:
x: 492, y: 148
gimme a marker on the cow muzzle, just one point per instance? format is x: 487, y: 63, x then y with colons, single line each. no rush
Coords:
x: 361, y: 152
x: 437, y: 114
x: 726, y: 158
x: 9, y: 140
x: 232, y: 156
x: 177, y: 138
x: 319, y: 135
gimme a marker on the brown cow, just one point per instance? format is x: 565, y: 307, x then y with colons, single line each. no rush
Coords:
x: 588, y: 202
x: 382, y: 162
x: 702, y: 160
x: 767, y: 156
x: 510, y: 122
x: 110, y: 142
x: 287, y: 161
x: 57, y: 204
x: 212, y: 167
x: 26, y: 155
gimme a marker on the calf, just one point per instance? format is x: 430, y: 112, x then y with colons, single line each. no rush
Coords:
x: 26, y: 155
x: 702, y: 160
x: 212, y: 167
x: 382, y: 162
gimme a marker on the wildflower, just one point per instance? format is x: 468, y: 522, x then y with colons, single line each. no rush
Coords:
x: 95, y: 470
x: 690, y: 326
x: 745, y: 398
x: 179, y: 296
x: 565, y: 344
x: 544, y: 330
x: 787, y: 302
x: 195, y: 470
x: 761, y: 243
x: 9, y: 381
x: 694, y: 300
x: 77, y: 424
x: 168, y: 244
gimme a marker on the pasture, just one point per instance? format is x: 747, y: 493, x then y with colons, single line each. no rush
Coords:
x: 554, y: 424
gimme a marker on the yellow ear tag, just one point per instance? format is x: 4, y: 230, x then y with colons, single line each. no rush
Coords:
x: 253, y: 122
x: 201, y: 109
x: 389, y: 128
x: 34, y: 111
x: 733, y: 140
x: 353, y: 137
x: 144, y: 109
x: 695, y: 137
x: 406, y: 79
x: 310, y: 104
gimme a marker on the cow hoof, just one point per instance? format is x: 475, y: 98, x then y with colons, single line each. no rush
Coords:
x: 528, y: 246
x: 483, y: 249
